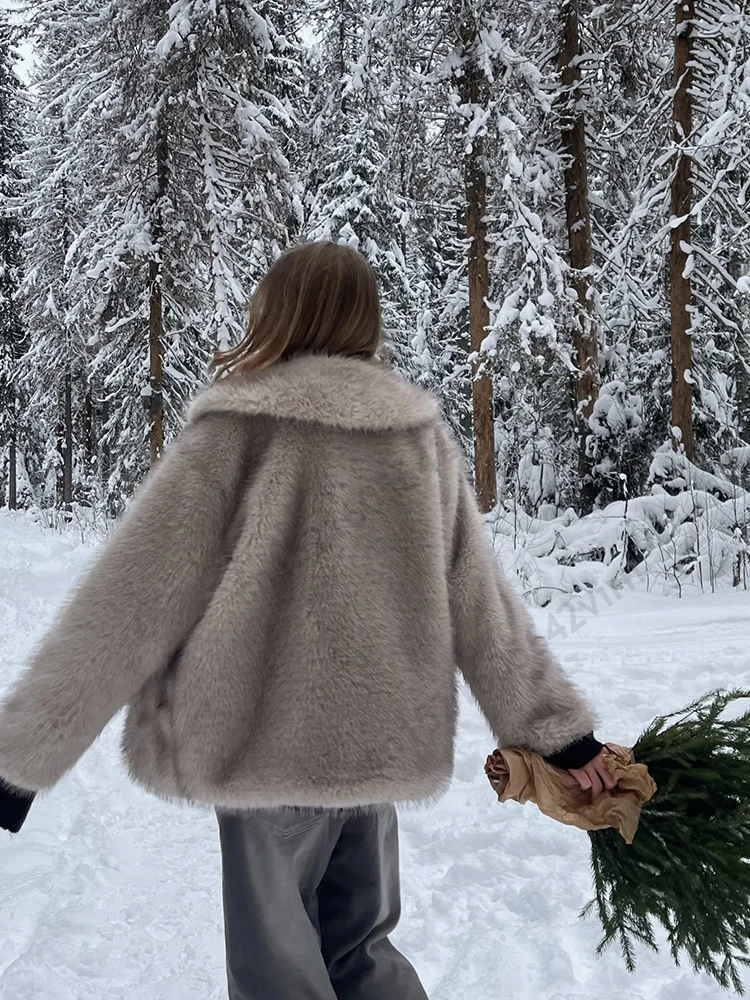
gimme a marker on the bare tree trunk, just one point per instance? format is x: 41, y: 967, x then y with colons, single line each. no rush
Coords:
x: 742, y: 378
x: 742, y: 373
x: 584, y: 332
x: 742, y: 381
x: 65, y: 431
x: 156, y: 312
x: 106, y: 455
x: 12, y: 467
x: 475, y: 180
x: 65, y: 443
x: 88, y: 432
x: 736, y: 266
x: 155, y: 326
x: 681, y: 200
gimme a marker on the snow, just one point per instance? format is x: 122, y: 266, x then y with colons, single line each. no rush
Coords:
x: 663, y: 543
x: 615, y: 411
x: 110, y: 893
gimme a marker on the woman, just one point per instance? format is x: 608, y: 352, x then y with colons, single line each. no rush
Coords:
x: 283, y: 610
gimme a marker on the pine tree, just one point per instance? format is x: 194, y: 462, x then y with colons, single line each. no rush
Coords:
x: 453, y: 316
x: 506, y: 167
x: 353, y: 189
x: 578, y: 216
x: 531, y: 311
x: 681, y: 193
x: 12, y: 332
x: 686, y: 869
x: 193, y: 197
x: 238, y: 67
x: 53, y: 372
x: 718, y: 253
x: 472, y: 88
x: 636, y: 281
x: 423, y: 270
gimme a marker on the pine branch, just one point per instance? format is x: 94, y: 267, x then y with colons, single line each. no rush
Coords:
x: 689, y: 866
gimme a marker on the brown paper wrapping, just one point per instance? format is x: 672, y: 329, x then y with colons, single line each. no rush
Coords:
x: 526, y: 777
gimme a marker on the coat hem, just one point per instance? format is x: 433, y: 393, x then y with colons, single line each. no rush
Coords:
x: 423, y: 792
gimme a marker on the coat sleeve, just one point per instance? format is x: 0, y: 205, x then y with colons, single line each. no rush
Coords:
x: 522, y: 691
x: 134, y: 607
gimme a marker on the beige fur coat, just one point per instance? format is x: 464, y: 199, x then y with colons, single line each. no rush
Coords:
x: 284, y: 607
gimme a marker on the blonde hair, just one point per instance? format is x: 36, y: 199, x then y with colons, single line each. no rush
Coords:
x: 319, y: 298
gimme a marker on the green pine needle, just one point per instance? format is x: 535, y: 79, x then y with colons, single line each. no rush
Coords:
x: 688, y: 868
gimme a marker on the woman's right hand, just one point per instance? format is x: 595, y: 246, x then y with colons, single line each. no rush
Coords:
x: 594, y: 776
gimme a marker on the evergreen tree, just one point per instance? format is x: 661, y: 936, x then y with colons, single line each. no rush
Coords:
x: 12, y: 332
x: 179, y: 130
x: 580, y: 248
x: 507, y: 168
x: 637, y: 296
x: 54, y: 201
x: 353, y: 192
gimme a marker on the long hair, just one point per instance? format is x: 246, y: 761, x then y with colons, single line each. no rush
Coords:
x: 319, y: 298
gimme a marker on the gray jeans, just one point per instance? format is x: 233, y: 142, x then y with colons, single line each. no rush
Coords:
x: 310, y: 897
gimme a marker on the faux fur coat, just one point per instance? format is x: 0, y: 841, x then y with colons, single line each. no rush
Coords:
x: 285, y: 604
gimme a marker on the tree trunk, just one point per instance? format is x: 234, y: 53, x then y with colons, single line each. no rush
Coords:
x: 681, y: 201
x: 584, y: 333
x: 742, y: 378
x: 155, y: 326
x: 89, y: 448
x: 12, y: 467
x: 156, y: 311
x: 106, y: 455
x: 475, y: 180
x: 65, y: 436
x: 88, y: 427
x: 66, y: 442
x: 741, y: 367
x: 742, y: 381
x: 739, y: 473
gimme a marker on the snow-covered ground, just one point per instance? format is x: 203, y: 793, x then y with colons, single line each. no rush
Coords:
x: 108, y: 893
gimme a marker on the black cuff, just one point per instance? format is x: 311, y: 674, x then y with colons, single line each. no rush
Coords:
x: 14, y: 807
x: 577, y: 754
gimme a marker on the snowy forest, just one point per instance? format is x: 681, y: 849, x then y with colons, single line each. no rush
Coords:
x: 553, y: 196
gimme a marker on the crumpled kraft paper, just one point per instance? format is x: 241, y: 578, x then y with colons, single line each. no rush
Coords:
x: 526, y: 777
